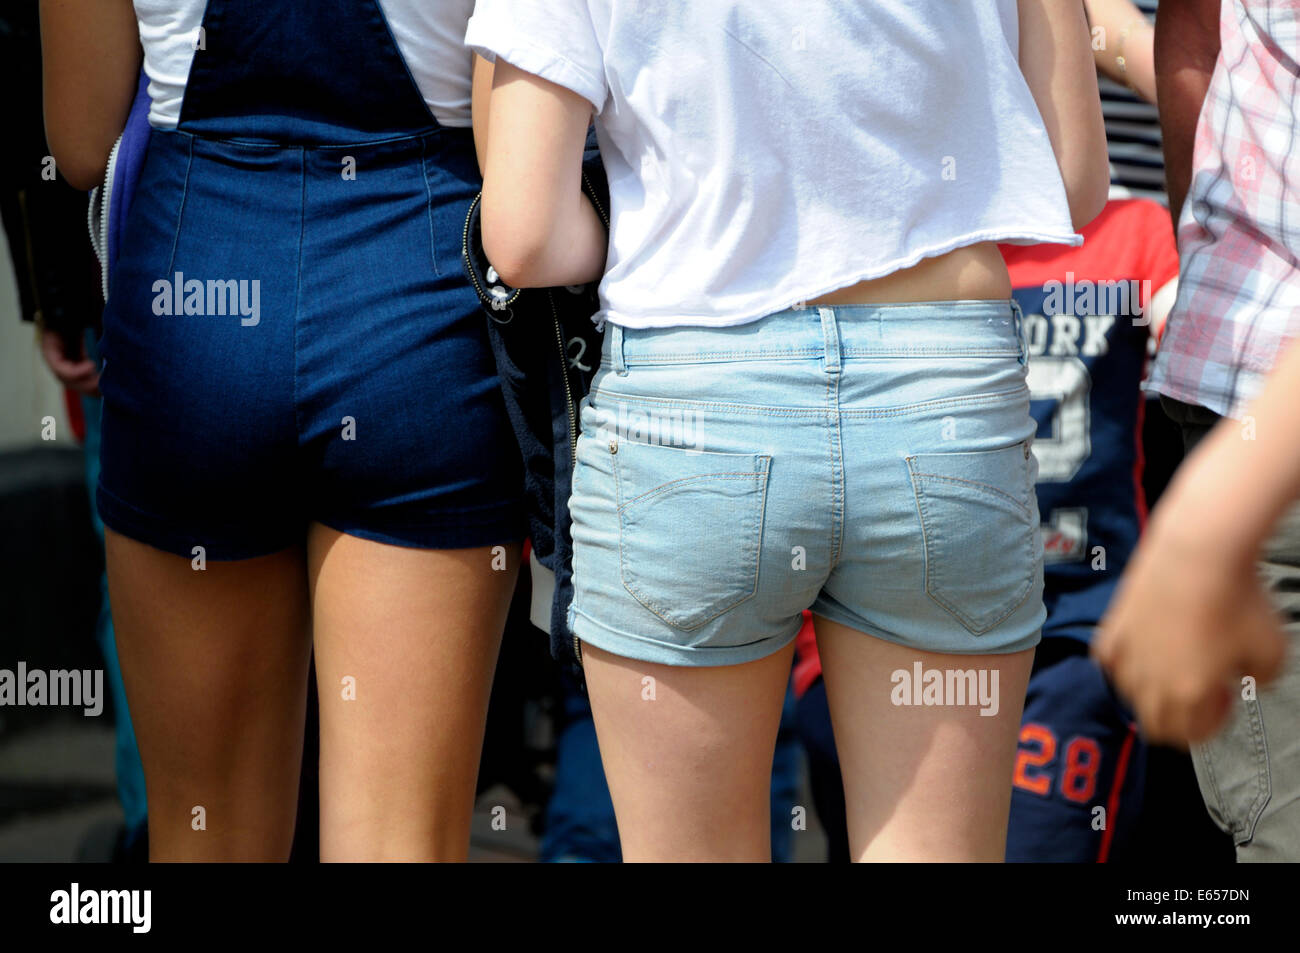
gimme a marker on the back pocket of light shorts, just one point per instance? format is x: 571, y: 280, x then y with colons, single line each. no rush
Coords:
x: 690, y: 528
x: 980, y: 529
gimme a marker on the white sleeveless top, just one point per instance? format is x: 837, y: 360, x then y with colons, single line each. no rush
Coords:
x: 762, y: 153
x: 430, y: 36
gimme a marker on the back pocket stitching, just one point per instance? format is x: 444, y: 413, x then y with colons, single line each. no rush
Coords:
x: 682, y: 481
x: 972, y: 483
x: 927, y: 521
x: 760, y: 477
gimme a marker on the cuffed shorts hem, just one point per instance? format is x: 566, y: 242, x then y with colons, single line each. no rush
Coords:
x: 987, y: 644
x: 645, y: 649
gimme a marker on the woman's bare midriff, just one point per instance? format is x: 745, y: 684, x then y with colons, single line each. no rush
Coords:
x: 974, y: 271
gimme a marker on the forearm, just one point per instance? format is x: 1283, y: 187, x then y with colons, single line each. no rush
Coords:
x: 570, y: 248
x: 1245, y: 473
x: 580, y: 247
x: 91, y: 58
x: 1186, y: 49
x: 1128, y: 35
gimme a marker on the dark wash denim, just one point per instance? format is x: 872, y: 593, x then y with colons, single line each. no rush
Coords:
x: 361, y: 393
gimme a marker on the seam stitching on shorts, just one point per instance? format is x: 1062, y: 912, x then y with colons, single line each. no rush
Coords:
x: 428, y: 206
x: 180, y: 212
x: 297, y: 294
x: 963, y: 617
x: 681, y: 481
x: 653, y: 607
x: 973, y: 483
x: 861, y: 413
x: 677, y: 357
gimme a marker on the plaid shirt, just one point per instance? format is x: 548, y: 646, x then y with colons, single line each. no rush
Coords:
x: 1239, y: 235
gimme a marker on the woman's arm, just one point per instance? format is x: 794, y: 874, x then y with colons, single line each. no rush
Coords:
x: 480, y: 95
x: 91, y: 59
x: 1128, y: 35
x: 1056, y: 59
x: 539, y: 229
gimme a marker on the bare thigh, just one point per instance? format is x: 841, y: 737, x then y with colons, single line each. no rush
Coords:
x: 406, y: 646
x: 921, y: 782
x: 215, y: 665
x: 688, y: 754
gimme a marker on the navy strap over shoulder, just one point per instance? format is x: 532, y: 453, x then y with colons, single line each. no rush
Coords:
x: 317, y: 72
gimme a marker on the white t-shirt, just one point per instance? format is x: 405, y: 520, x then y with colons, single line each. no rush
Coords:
x: 429, y: 33
x: 761, y: 154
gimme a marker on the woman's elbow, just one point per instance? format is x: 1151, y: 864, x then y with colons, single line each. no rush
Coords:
x: 515, y: 246
x: 518, y: 260
x: 1087, y: 190
x: 517, y: 267
x: 83, y: 176
x: 81, y: 164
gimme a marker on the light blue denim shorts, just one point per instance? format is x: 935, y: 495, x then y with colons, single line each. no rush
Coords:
x: 868, y: 462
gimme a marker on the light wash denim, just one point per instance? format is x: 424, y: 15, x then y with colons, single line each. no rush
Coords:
x: 870, y: 462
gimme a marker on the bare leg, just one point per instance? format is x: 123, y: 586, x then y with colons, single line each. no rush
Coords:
x: 922, y: 783
x: 688, y: 754
x: 215, y: 666
x: 406, y: 646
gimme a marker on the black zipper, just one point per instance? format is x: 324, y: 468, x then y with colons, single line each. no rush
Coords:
x: 570, y: 416
x: 469, y: 265
x: 564, y: 373
x: 591, y: 194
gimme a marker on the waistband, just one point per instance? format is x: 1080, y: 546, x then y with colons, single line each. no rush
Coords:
x: 966, y: 328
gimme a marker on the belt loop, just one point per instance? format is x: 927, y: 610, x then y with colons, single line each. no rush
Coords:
x: 830, y: 340
x: 1019, y: 320
x: 615, y: 334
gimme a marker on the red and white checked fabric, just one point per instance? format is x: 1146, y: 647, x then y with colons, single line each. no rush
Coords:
x: 1239, y: 234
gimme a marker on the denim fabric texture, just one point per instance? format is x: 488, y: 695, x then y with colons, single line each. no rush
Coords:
x: 870, y: 462
x: 290, y: 336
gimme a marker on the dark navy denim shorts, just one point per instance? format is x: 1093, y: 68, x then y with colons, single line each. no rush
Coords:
x: 290, y: 337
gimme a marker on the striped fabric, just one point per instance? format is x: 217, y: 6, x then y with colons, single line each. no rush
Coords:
x: 1238, y: 302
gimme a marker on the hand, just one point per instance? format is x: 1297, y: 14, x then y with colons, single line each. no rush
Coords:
x: 1189, y: 619
x: 78, y: 372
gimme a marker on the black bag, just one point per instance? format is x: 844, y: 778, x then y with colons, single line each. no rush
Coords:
x: 547, y: 350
